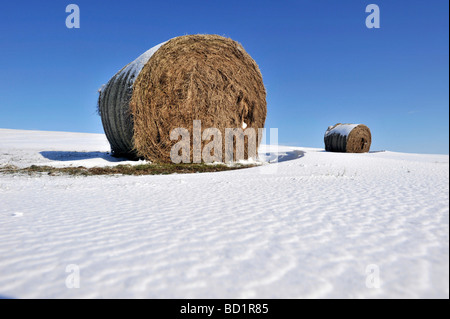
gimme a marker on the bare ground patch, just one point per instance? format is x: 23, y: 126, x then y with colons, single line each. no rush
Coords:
x: 143, y: 169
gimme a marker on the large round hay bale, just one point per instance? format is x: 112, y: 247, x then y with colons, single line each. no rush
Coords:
x: 196, y: 77
x: 348, y: 138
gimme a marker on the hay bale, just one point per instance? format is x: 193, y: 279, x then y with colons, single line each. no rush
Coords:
x: 348, y: 138
x: 196, y: 77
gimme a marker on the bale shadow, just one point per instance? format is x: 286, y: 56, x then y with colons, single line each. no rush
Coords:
x: 289, y: 156
x: 64, y: 156
x: 370, y: 152
x: 283, y: 156
x: 67, y: 156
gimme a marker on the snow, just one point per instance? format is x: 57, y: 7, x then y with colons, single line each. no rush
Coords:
x: 312, y: 226
x: 57, y: 149
x: 342, y: 129
x: 135, y: 67
x: 132, y: 70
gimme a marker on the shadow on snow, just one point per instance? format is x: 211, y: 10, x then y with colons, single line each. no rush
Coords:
x: 65, y: 156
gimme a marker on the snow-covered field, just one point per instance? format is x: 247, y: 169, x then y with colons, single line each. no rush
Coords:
x: 315, y: 225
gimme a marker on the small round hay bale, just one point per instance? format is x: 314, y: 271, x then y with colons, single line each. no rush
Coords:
x: 196, y: 77
x: 348, y: 138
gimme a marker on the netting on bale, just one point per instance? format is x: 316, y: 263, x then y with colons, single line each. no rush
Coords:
x: 196, y: 77
x: 348, y: 138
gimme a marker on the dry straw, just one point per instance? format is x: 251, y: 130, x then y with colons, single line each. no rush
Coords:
x: 348, y: 138
x: 196, y: 77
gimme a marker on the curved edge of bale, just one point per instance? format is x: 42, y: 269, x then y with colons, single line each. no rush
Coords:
x: 113, y: 106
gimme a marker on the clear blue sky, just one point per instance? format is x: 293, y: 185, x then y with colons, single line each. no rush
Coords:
x: 320, y: 63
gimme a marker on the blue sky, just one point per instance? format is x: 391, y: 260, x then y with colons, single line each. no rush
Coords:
x: 320, y: 63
